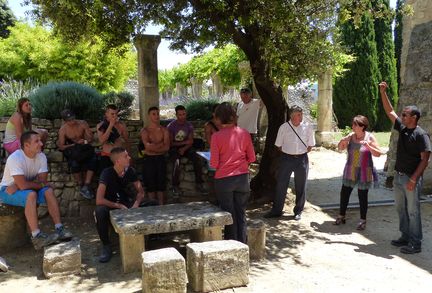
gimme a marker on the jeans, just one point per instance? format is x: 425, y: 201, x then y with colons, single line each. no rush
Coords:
x: 408, y: 208
x: 232, y: 194
x: 289, y: 164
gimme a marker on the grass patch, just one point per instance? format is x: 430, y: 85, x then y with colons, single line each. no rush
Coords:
x: 383, y: 138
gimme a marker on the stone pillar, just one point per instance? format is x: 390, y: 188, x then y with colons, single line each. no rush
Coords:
x: 196, y: 87
x: 148, y: 89
x: 180, y: 90
x: 217, y: 85
x: 324, y: 135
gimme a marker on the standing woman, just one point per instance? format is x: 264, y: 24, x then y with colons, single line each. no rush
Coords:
x: 359, y: 169
x: 18, y: 123
x: 231, y: 152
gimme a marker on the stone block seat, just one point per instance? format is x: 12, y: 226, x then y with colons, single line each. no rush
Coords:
x: 203, y: 219
x: 217, y: 265
x: 62, y: 259
x: 163, y: 271
x: 13, y: 228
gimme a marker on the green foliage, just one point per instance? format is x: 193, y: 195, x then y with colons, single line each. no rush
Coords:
x: 386, y: 62
x: 347, y: 130
x: 12, y: 90
x: 314, y: 110
x: 34, y: 52
x: 122, y: 100
x: 356, y: 92
x: 48, y: 101
x: 200, y: 109
x: 398, y: 37
x: 7, y: 19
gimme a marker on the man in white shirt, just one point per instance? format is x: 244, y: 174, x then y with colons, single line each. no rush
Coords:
x: 247, y: 112
x: 295, y: 139
x: 25, y: 184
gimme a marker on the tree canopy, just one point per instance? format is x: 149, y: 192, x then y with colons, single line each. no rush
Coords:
x: 7, y: 19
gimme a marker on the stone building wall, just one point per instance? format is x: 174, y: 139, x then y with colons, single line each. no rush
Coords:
x: 72, y: 204
x: 416, y: 74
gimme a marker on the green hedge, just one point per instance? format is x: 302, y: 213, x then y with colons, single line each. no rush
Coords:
x: 122, y: 100
x: 200, y: 109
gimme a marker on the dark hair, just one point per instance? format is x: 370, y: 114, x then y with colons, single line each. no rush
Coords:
x: 152, y: 109
x: 179, y: 108
x: 214, y: 107
x: 361, y: 121
x: 245, y: 90
x: 115, y: 151
x: 225, y: 113
x: 111, y: 107
x: 26, y: 136
x: 414, y: 111
x: 27, y: 119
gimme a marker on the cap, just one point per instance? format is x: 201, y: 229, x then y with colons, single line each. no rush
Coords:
x: 67, y: 115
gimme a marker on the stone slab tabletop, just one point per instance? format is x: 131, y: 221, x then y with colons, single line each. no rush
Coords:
x: 169, y: 218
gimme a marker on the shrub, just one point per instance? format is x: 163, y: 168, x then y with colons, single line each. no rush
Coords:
x: 49, y: 100
x: 12, y: 90
x: 123, y: 101
x: 314, y: 110
x: 200, y: 109
x: 347, y: 130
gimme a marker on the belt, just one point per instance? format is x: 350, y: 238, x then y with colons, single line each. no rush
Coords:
x: 295, y: 156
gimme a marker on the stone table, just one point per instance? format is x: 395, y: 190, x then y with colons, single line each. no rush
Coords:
x: 204, y: 220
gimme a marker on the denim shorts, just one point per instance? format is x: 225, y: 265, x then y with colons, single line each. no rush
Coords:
x: 19, y: 198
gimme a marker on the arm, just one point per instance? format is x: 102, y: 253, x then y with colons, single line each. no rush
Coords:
x: 214, y: 154
x: 17, y: 122
x: 62, y: 139
x: 23, y: 184
x: 250, y: 152
x: 373, y: 146
x: 103, y: 136
x: 101, y: 201
x: 419, y: 170
x: 388, y: 108
x: 208, y: 133
x: 88, y: 134
x: 140, y: 194
x: 125, y: 135
x: 343, y: 143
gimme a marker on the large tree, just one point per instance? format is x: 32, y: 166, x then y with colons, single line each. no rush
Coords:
x: 356, y: 91
x: 7, y: 19
x: 284, y: 41
x: 386, y: 60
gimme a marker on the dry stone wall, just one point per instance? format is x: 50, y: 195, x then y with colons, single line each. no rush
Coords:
x: 72, y: 204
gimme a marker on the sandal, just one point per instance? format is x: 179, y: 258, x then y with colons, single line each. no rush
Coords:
x: 339, y: 220
x: 361, y: 225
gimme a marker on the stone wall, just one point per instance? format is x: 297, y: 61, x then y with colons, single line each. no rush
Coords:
x: 72, y: 204
x: 416, y: 74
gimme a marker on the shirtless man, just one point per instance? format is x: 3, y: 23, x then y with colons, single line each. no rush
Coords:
x: 73, y: 135
x: 156, y: 142
x: 111, y: 133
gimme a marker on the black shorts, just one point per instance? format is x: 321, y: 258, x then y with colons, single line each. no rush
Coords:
x: 154, y: 173
x: 76, y: 167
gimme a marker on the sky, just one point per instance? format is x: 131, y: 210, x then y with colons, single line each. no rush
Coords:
x: 167, y: 59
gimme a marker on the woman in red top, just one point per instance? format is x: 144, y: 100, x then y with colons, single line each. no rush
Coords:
x: 231, y: 152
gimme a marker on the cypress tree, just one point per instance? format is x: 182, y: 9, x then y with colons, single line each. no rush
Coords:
x: 398, y: 38
x: 356, y: 92
x: 386, y: 60
x: 7, y: 18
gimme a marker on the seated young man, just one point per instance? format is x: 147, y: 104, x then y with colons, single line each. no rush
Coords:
x: 74, y: 140
x: 25, y: 184
x: 111, y: 194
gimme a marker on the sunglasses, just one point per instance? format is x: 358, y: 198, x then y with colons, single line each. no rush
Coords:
x: 406, y: 115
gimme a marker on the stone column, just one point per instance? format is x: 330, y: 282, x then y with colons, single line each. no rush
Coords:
x: 324, y: 135
x: 180, y: 90
x: 217, y: 85
x: 148, y: 89
x: 196, y: 87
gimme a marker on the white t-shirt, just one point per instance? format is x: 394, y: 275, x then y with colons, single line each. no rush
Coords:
x: 19, y: 164
x: 248, y: 115
x: 290, y: 143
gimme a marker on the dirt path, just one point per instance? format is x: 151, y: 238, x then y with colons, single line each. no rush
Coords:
x: 307, y: 256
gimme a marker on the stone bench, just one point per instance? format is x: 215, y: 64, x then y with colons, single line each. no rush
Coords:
x: 163, y: 271
x: 13, y: 228
x: 62, y: 259
x: 203, y: 219
x: 256, y: 238
x: 217, y: 265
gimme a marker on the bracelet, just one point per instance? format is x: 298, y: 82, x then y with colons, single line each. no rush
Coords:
x: 413, y: 181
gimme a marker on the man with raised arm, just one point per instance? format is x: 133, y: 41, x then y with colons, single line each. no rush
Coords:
x: 25, y: 184
x: 412, y: 157
x: 112, y: 194
x: 155, y: 138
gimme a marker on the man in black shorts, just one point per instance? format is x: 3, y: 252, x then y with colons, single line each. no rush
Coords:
x: 111, y: 194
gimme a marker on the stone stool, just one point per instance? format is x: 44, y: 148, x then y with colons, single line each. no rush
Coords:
x: 163, y: 271
x: 13, y: 228
x: 62, y: 259
x: 217, y: 265
x: 256, y: 237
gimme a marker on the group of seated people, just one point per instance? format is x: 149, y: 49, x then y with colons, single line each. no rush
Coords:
x: 25, y: 184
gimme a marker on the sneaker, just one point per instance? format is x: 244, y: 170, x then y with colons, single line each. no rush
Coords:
x: 42, y: 239
x: 86, y: 193
x: 297, y: 217
x: 410, y: 249
x: 63, y: 234
x: 105, y: 254
x: 3, y: 265
x: 176, y: 191
x: 399, y: 242
x: 272, y: 215
x: 201, y: 188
